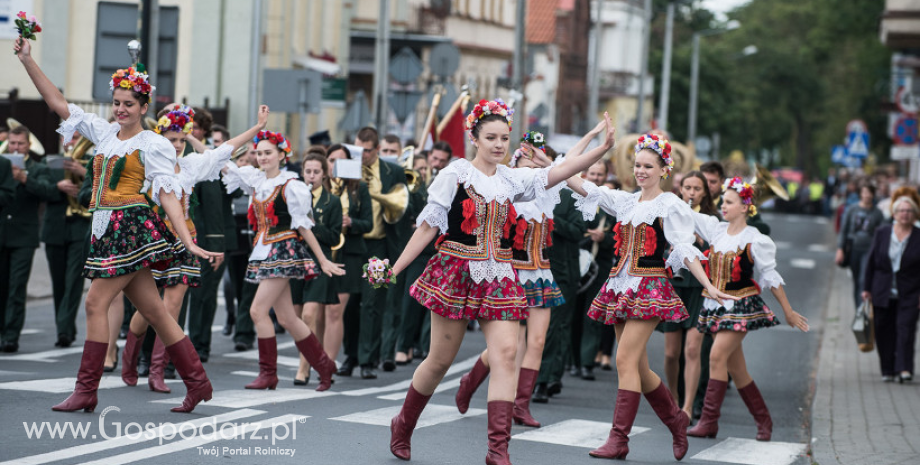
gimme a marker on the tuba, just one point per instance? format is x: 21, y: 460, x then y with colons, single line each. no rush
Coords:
x: 767, y: 185
x: 413, y: 177
x: 394, y: 203
x: 80, y: 153
x: 35, y: 145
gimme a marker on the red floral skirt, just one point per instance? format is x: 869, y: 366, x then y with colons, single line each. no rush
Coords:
x: 136, y: 238
x: 655, y: 298
x: 446, y: 288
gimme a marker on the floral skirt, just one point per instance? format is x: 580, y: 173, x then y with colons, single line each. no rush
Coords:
x: 185, y: 270
x: 446, y: 288
x: 692, y: 297
x: 287, y: 259
x: 136, y: 238
x: 542, y: 294
x: 747, y: 314
x: 655, y: 298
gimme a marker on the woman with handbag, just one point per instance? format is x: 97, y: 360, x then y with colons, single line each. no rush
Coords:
x: 859, y: 224
x: 893, y: 286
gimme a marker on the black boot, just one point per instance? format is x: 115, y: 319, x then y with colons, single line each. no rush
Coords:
x: 540, y: 395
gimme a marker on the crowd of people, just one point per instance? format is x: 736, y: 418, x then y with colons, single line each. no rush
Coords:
x: 170, y: 213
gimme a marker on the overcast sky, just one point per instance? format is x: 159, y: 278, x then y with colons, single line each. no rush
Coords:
x: 721, y: 6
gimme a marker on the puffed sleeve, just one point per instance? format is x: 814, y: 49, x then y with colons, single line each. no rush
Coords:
x: 764, y: 251
x: 300, y: 204
x: 603, y: 197
x: 240, y: 177
x: 678, y: 230
x: 160, y: 168
x: 90, y: 125
x: 531, y: 183
x: 441, y: 194
x: 206, y: 166
x: 705, y: 225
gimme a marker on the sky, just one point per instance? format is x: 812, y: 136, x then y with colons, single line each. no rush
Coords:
x: 722, y: 6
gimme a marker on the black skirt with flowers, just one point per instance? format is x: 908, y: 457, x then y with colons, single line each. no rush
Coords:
x: 135, y: 238
x: 186, y: 269
x: 287, y: 259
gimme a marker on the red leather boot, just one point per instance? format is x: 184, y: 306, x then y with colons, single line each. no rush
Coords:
x: 522, y: 415
x: 469, y: 383
x: 755, y: 404
x: 84, y: 391
x: 708, y: 426
x: 624, y: 414
x: 268, y: 365
x: 158, y: 361
x: 133, y: 346
x: 672, y: 417
x: 404, y: 423
x: 313, y: 351
x: 500, y: 413
x: 188, y: 365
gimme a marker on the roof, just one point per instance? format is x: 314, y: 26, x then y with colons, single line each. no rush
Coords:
x: 541, y: 21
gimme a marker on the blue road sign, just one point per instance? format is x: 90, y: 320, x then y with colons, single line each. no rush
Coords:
x: 838, y: 154
x: 905, y: 130
x: 858, y: 144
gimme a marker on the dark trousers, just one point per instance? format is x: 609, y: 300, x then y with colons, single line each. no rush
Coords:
x: 15, y: 267
x: 65, y: 264
x: 244, y: 331
x: 413, y: 313
x: 558, y: 334
x: 374, y: 305
x: 393, y: 318
x: 203, y: 306
x: 591, y: 331
x: 857, y: 261
x: 351, y: 321
x: 896, y: 335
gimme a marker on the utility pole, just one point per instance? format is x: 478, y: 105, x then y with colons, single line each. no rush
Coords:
x: 694, y: 83
x: 517, y: 77
x: 594, y: 54
x: 148, y: 26
x: 643, y: 74
x: 664, y: 98
x: 255, y: 60
x: 382, y: 67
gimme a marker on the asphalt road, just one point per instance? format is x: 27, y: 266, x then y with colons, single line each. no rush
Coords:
x: 349, y: 424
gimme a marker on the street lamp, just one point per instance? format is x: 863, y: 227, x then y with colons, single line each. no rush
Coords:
x: 695, y: 72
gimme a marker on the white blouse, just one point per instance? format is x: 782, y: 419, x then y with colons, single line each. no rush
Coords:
x: 763, y: 250
x: 200, y: 167
x: 157, y: 155
x: 297, y: 195
x: 516, y: 185
x: 677, y: 224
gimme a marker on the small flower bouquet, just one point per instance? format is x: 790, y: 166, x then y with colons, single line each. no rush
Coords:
x: 379, y: 273
x: 27, y: 27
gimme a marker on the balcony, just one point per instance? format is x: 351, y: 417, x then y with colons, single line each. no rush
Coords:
x: 900, y: 26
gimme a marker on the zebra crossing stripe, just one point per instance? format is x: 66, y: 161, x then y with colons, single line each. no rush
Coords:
x: 432, y: 415
x: 444, y: 386
x: 65, y: 385
x: 575, y: 433
x: 245, y: 398
x: 751, y: 452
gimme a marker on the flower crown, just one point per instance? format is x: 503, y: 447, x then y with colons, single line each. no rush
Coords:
x: 179, y: 119
x: 133, y: 78
x: 659, y: 145
x: 275, y: 138
x: 535, y: 138
x: 491, y: 107
x: 744, y: 190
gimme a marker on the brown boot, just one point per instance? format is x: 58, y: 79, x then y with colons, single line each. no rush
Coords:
x: 84, y: 391
x: 500, y: 413
x: 755, y: 404
x: 404, y: 423
x: 158, y: 361
x: 708, y: 426
x: 188, y: 365
x: 672, y: 417
x: 522, y: 415
x: 469, y: 383
x: 624, y: 414
x: 268, y: 365
x: 313, y: 351
x: 133, y: 346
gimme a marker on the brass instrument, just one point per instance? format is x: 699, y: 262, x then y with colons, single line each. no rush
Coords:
x: 78, y: 154
x: 35, y: 145
x: 767, y: 185
x: 338, y: 188
x: 624, y: 158
x: 394, y: 203
x: 413, y: 177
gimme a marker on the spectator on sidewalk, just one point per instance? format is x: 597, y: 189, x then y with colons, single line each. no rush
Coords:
x: 893, y: 286
x: 857, y: 229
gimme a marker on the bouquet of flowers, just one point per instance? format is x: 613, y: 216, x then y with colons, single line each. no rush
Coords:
x: 535, y: 138
x: 27, y: 27
x: 379, y: 273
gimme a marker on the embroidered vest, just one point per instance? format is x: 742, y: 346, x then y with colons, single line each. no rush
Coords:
x: 117, y: 182
x: 270, y: 218
x: 644, y: 245
x: 732, y: 272
x: 530, y: 243
x: 476, y: 229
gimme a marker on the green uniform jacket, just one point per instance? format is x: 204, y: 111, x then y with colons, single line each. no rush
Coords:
x: 360, y: 211
x: 213, y: 217
x: 569, y: 229
x: 7, y: 184
x: 57, y: 228
x: 19, y: 221
x: 327, y: 218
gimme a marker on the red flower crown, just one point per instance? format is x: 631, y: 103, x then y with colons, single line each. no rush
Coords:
x: 133, y: 78
x: 275, y: 138
x: 179, y: 119
x: 744, y: 190
x: 489, y: 107
x: 659, y: 145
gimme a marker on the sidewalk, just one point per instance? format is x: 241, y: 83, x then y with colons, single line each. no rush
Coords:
x: 856, y: 418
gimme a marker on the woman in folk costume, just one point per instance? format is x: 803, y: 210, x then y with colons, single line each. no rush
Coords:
x: 637, y: 294
x: 736, y: 252
x: 281, y: 214
x: 175, y: 125
x: 319, y: 294
x: 128, y: 236
x: 471, y: 277
x: 533, y: 229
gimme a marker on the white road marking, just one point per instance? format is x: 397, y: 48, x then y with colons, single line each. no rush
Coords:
x: 783, y: 245
x: 432, y: 415
x: 804, y: 263
x: 191, y: 443
x: 254, y: 374
x: 31, y: 331
x: 818, y: 248
x: 65, y: 385
x: 752, y: 452
x: 455, y: 368
x: 121, y: 441
x: 282, y: 359
x: 575, y: 433
x: 243, y: 398
x: 49, y: 356
x: 444, y: 386
x: 821, y: 220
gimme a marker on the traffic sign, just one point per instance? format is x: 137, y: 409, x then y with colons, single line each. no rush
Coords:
x: 905, y: 130
x: 907, y: 102
x: 858, y: 144
x: 405, y: 67
x: 838, y: 154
